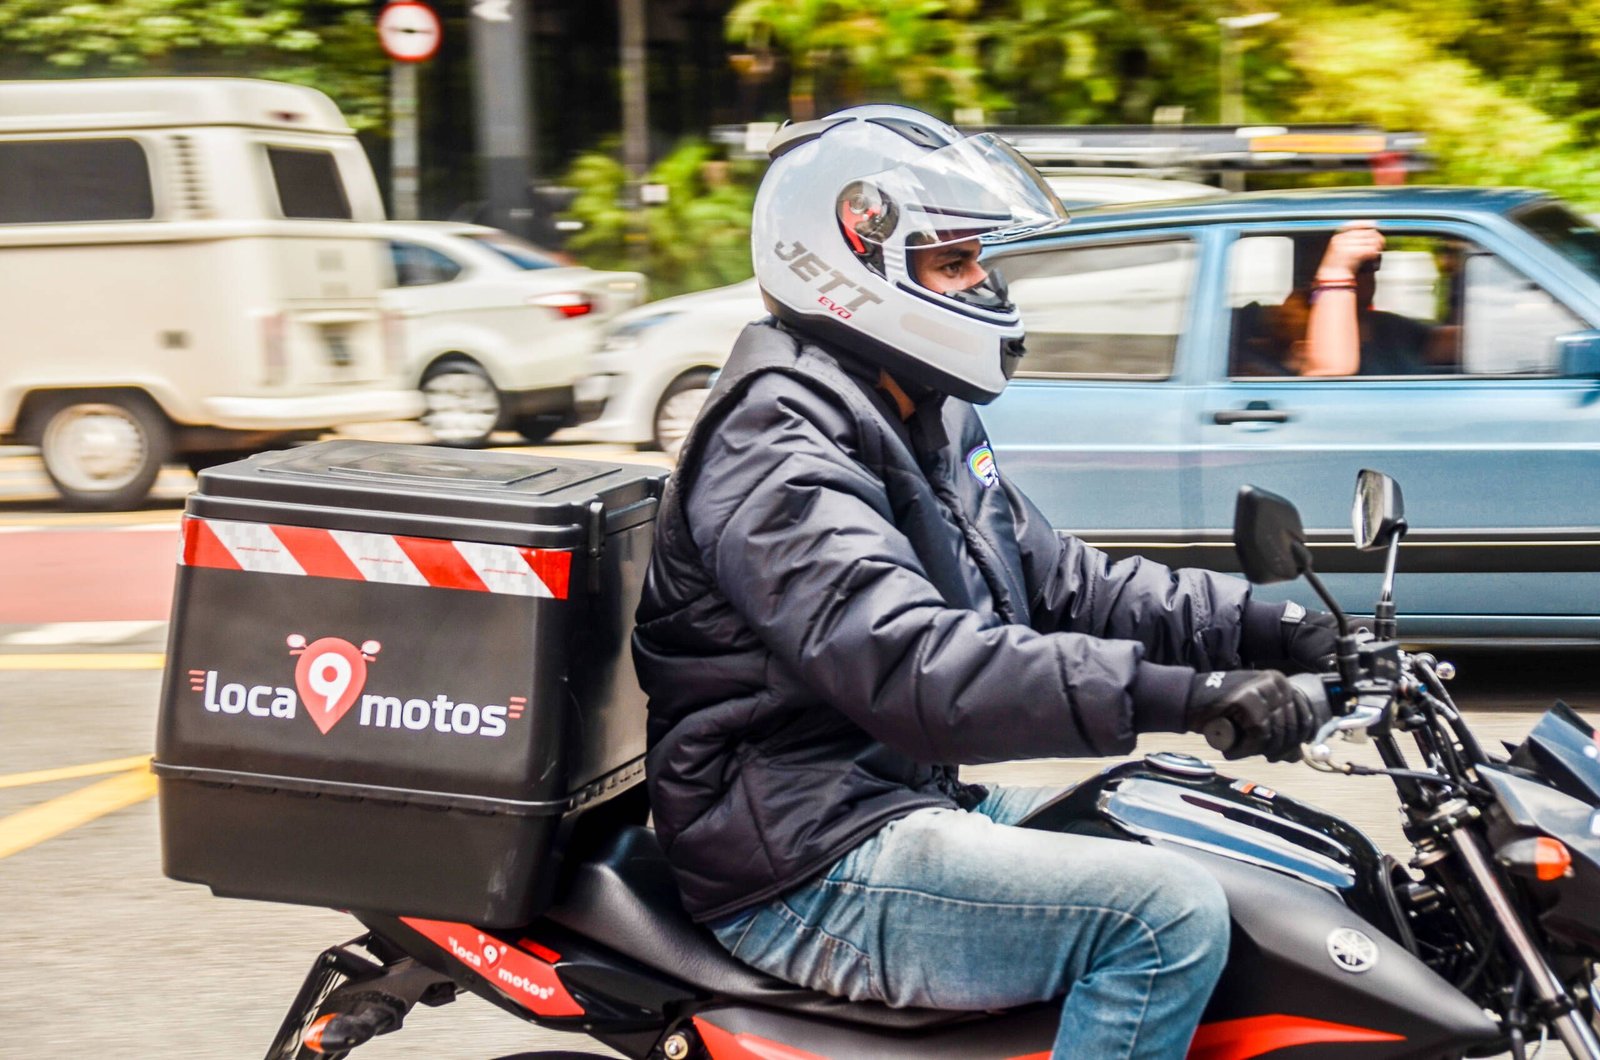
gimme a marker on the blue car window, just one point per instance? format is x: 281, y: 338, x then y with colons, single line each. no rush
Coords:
x: 1511, y: 323
x: 1573, y: 238
x: 1404, y: 307
x: 1105, y: 311
x: 1431, y: 304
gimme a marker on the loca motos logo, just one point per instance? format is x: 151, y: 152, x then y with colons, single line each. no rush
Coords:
x: 330, y: 676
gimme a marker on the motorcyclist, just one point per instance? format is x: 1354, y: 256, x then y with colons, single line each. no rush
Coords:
x: 847, y: 599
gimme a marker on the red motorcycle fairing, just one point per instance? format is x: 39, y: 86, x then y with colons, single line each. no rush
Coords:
x: 1240, y: 1039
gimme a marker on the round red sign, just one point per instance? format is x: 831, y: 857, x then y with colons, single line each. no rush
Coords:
x: 409, y: 31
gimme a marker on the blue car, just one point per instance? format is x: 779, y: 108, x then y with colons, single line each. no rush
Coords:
x: 1167, y: 367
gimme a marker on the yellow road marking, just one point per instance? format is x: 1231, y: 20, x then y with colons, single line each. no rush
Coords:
x: 88, y: 769
x: 49, y: 819
x: 127, y: 660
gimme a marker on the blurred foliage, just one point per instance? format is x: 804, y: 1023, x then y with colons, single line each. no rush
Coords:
x: 1021, y: 61
x: 867, y: 49
x: 1508, y: 91
x: 698, y: 238
x: 327, y: 44
x: 1380, y: 66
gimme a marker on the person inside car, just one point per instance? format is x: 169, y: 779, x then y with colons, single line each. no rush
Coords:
x: 1329, y: 325
x: 848, y: 599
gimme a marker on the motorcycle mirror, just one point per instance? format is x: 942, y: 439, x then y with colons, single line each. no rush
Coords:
x: 1268, y: 537
x: 1378, y: 515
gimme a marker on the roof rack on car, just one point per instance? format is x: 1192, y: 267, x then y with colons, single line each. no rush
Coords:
x: 1177, y: 150
x: 1216, y: 148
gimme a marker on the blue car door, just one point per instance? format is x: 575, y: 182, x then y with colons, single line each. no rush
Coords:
x: 1097, y: 428
x: 1458, y: 396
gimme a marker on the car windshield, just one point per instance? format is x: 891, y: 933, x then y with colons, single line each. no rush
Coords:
x: 1573, y: 238
x: 522, y: 255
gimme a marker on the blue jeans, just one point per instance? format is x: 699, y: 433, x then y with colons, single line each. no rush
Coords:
x: 959, y: 910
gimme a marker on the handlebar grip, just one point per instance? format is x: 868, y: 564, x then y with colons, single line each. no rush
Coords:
x: 1221, y: 734
x: 1315, y: 688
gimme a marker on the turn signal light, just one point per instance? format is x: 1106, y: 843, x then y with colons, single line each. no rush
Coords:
x: 1540, y: 857
x: 1551, y: 859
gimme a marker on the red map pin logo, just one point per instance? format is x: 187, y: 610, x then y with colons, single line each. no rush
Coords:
x: 330, y: 674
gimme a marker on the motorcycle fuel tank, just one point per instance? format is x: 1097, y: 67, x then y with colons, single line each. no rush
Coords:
x: 1320, y: 956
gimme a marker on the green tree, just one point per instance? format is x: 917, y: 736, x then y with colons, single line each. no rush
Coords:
x: 1383, y: 66
x: 1046, y: 61
x: 327, y: 44
x: 844, y: 52
x: 698, y: 238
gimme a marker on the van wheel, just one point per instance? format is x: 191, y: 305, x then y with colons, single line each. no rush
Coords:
x: 463, y: 405
x: 679, y: 405
x: 103, y: 454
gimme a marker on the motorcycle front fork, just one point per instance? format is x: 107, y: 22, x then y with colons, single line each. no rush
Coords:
x: 1568, y: 1022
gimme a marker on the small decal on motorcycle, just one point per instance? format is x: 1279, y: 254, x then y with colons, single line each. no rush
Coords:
x: 1352, y: 950
x: 1250, y: 787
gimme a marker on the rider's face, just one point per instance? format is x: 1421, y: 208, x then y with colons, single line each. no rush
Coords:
x: 951, y: 267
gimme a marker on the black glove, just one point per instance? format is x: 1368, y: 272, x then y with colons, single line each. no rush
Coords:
x: 1287, y: 637
x: 1268, y: 716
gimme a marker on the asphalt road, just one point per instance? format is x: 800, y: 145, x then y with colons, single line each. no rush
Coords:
x: 109, y: 959
x: 106, y: 958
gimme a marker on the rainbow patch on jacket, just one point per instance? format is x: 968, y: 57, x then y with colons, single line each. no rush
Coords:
x: 981, y: 463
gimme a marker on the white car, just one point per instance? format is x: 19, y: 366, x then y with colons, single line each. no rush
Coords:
x: 655, y: 363
x: 497, y: 332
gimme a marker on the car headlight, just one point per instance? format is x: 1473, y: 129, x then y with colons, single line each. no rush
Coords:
x: 628, y: 334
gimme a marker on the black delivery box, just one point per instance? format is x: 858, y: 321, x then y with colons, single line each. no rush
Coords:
x: 394, y: 671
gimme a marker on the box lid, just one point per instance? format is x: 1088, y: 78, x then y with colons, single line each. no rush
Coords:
x: 428, y: 491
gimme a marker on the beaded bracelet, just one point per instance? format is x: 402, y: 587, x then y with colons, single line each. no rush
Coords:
x: 1318, y: 287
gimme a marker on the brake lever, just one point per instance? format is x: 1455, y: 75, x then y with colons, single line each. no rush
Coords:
x: 1371, y: 710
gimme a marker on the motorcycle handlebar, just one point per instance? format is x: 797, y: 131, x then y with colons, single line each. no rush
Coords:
x: 1223, y: 735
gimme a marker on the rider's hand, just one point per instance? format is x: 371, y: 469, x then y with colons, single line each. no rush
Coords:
x: 1288, y: 637
x: 1350, y: 248
x: 1312, y: 643
x: 1270, y: 716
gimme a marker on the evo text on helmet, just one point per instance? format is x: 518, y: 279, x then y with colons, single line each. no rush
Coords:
x: 867, y: 234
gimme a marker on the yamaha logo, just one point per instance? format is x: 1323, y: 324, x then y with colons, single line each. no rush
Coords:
x: 1352, y: 950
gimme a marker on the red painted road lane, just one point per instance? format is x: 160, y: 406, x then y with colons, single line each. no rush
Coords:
x: 86, y: 575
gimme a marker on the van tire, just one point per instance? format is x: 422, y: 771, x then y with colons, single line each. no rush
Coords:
x: 463, y: 406
x: 102, y: 451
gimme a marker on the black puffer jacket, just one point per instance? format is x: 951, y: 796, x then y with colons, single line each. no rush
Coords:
x: 842, y: 604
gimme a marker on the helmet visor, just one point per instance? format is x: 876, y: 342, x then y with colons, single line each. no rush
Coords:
x: 977, y: 188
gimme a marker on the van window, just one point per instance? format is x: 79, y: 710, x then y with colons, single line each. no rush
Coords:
x: 308, y: 184
x: 52, y: 181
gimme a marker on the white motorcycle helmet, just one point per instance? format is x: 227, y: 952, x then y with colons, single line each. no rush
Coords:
x: 847, y: 201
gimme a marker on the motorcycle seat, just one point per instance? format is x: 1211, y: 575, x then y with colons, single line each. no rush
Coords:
x: 625, y: 897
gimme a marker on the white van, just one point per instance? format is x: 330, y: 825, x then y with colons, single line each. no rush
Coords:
x: 185, y: 271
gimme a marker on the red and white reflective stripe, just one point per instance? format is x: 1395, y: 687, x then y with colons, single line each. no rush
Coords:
x: 265, y: 549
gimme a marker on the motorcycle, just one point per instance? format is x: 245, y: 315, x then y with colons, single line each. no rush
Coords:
x: 1485, y: 941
